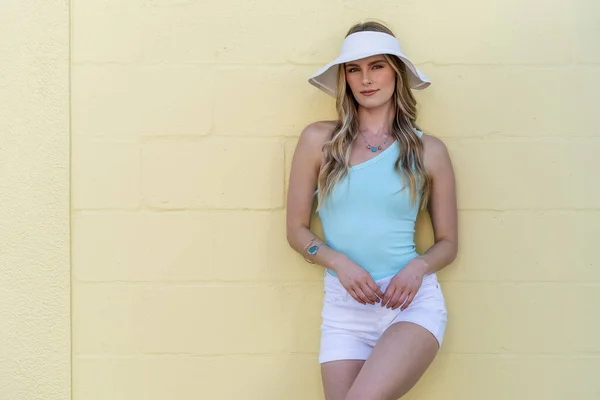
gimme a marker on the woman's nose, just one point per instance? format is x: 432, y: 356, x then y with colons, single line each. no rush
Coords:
x: 366, y: 78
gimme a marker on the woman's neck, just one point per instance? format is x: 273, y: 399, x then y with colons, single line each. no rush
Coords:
x: 376, y: 120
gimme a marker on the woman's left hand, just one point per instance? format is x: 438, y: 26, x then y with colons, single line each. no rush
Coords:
x: 404, y: 285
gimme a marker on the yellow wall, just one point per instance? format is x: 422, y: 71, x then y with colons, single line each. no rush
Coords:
x: 184, y: 118
x: 35, y: 340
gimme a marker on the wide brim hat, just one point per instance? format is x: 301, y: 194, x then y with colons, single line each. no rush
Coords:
x: 361, y: 45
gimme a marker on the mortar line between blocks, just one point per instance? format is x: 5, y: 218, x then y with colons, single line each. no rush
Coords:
x: 288, y: 282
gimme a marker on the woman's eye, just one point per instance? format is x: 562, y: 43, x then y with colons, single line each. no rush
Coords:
x: 352, y: 70
x: 378, y: 66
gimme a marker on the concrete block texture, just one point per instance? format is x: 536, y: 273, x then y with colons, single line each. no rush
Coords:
x: 185, y: 118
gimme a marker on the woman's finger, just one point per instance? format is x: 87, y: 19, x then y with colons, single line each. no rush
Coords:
x: 394, y: 300
x: 409, y: 300
x: 376, y: 290
x: 402, y: 299
x: 361, y: 296
x: 355, y: 296
x: 370, y: 293
x: 387, y: 296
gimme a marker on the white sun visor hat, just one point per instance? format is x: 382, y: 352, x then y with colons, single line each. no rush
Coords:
x: 361, y: 45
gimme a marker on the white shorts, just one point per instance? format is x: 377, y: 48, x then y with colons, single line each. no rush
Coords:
x: 350, y: 330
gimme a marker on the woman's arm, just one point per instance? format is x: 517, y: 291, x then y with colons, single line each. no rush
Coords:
x: 442, y: 207
x: 304, y: 172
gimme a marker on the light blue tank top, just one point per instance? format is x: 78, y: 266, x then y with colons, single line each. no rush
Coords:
x: 370, y: 218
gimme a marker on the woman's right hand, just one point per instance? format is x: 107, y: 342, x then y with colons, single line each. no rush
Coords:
x: 357, y: 281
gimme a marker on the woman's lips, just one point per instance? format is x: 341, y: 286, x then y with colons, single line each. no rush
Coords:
x: 368, y: 92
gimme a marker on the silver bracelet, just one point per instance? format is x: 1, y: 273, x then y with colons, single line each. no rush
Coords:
x: 311, y: 249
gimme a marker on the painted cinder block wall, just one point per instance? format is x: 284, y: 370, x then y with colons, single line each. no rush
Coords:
x: 183, y: 119
x: 35, y: 337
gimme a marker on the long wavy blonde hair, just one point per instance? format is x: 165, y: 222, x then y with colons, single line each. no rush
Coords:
x: 409, y: 164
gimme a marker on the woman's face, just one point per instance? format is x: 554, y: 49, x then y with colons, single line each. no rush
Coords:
x: 372, y: 80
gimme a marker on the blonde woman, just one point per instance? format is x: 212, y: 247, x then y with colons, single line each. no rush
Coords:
x: 371, y: 171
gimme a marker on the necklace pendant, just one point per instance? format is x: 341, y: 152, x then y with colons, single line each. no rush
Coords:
x: 373, y: 149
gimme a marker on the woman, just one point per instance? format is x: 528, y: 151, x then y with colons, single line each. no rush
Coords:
x: 372, y: 171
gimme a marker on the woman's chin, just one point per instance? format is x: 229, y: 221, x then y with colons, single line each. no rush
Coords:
x: 372, y: 102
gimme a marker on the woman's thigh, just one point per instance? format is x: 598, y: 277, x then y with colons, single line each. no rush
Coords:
x: 338, y: 377
x: 397, y: 362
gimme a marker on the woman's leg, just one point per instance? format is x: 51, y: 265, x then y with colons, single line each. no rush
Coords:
x: 338, y: 377
x: 399, y: 359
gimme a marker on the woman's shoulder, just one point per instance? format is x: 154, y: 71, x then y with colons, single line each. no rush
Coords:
x: 320, y: 129
x: 434, y: 150
x: 309, y: 150
x: 432, y: 142
x: 318, y: 133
